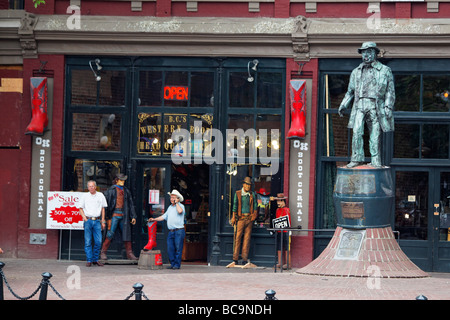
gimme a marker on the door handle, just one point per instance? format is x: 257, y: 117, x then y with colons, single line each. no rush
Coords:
x: 436, y: 206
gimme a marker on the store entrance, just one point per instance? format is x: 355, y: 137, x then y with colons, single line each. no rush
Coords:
x: 422, y: 216
x: 192, y: 181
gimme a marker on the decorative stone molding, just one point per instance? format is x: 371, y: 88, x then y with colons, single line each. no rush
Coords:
x: 300, y: 43
x: 299, y: 38
x: 26, y: 35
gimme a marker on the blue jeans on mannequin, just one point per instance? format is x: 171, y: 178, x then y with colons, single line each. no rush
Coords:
x: 92, y: 231
x: 175, y: 241
x: 116, y: 221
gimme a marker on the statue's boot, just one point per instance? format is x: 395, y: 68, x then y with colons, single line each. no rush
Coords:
x: 105, y: 247
x: 129, y: 251
x: 352, y: 164
x: 376, y: 162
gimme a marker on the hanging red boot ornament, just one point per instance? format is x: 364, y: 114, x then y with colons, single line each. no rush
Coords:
x: 39, y: 119
x: 151, y: 236
x: 297, y: 90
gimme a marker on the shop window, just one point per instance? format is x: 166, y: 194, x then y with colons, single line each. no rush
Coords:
x: 176, y: 88
x: 174, y: 94
x: 96, y: 132
x: 174, y: 122
x: 241, y: 92
x: 149, y: 133
x: 436, y: 93
x: 270, y: 90
x: 150, y: 88
x: 268, y: 134
x: 155, y: 133
x: 407, y: 141
x: 96, y: 116
x: 264, y: 186
x: 83, y: 170
x: 336, y: 136
x: 202, y: 89
x: 421, y: 141
x: 109, y: 91
x: 254, y: 138
x: 16, y: 4
x: 411, y: 213
x: 407, y: 88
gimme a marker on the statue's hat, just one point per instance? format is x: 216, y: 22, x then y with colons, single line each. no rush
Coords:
x: 368, y: 45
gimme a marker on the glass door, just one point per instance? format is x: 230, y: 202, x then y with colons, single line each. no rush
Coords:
x: 153, y: 184
x: 412, y: 210
x: 422, y: 216
x: 441, y: 223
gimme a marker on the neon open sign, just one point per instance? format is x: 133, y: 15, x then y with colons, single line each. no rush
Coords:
x: 176, y: 93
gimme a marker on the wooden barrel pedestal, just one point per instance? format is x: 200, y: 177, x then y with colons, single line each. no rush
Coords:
x: 150, y: 260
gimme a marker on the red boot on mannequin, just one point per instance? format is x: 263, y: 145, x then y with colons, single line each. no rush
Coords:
x: 151, y: 236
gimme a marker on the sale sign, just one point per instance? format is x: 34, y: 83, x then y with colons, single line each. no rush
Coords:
x: 153, y: 196
x: 62, y: 210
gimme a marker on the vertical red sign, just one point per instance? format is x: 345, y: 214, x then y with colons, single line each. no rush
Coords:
x: 39, y: 120
x: 297, y: 89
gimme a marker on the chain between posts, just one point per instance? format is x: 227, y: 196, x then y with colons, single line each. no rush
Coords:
x: 45, y: 283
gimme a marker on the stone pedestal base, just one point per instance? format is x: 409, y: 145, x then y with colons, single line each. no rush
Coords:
x: 150, y: 260
x: 373, y: 252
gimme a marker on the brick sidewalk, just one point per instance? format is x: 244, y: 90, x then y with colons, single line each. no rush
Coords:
x: 74, y: 281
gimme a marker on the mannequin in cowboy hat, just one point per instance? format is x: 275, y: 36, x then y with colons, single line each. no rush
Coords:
x: 244, y: 213
x: 120, y: 214
x: 282, y: 211
x: 372, y: 90
x: 174, y: 216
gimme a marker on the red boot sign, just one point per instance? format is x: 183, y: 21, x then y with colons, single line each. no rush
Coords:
x: 39, y: 119
x: 297, y: 89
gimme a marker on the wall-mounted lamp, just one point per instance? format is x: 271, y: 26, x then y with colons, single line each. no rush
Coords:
x: 99, y: 67
x: 255, y: 63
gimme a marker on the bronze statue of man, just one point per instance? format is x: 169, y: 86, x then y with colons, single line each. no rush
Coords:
x: 372, y: 90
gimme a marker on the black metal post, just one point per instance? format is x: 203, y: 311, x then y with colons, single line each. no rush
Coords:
x: 44, y: 285
x: 138, y: 290
x: 270, y: 295
x: 276, y: 257
x: 281, y: 251
x: 1, y: 280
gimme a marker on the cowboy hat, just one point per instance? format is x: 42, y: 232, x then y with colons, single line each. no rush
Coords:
x: 247, y: 180
x: 368, y: 45
x: 280, y: 196
x: 176, y: 193
x: 122, y: 177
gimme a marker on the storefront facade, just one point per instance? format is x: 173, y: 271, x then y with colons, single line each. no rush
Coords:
x: 127, y: 122
x: 207, y: 69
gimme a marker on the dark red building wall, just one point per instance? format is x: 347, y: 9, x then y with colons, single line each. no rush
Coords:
x: 279, y: 9
x: 10, y: 152
x: 15, y: 160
